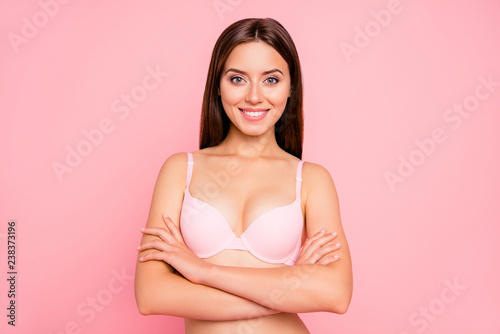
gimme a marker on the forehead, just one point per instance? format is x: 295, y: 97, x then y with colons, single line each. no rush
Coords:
x: 255, y: 57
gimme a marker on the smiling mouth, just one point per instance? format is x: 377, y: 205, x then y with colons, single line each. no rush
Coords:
x: 254, y: 112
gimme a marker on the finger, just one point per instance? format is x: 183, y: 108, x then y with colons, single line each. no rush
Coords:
x: 160, y: 232
x: 318, y: 243
x: 323, y: 240
x: 317, y: 235
x: 158, y: 256
x: 328, y: 259
x: 308, y: 241
x: 154, y: 244
x: 174, y: 230
x: 325, y: 250
x: 320, y: 247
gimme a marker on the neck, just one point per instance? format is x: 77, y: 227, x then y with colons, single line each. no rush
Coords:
x: 238, y: 143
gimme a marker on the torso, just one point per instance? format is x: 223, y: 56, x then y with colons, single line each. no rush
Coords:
x: 242, y: 190
x: 278, y: 323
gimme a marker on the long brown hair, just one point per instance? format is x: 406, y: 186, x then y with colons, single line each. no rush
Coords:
x: 214, y: 121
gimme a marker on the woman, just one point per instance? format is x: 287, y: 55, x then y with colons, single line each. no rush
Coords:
x: 242, y: 235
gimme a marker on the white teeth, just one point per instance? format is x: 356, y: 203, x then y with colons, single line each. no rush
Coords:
x: 254, y: 113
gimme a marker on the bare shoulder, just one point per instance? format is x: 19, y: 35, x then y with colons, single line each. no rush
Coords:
x: 322, y: 207
x: 174, y: 164
x: 173, y: 171
x: 317, y: 180
x: 315, y: 173
x: 176, y: 160
x: 169, y: 188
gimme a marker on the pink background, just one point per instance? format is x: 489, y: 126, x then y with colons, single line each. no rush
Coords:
x: 365, y: 110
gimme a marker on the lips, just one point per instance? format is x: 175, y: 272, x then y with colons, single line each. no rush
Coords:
x: 254, y: 114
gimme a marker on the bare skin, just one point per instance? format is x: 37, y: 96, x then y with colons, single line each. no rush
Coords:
x: 234, y: 292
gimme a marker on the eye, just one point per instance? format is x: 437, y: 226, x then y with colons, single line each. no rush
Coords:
x: 236, y: 80
x: 272, y: 80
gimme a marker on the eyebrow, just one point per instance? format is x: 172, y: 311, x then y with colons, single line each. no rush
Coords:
x: 243, y: 72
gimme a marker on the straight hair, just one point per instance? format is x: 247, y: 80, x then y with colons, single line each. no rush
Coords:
x: 214, y: 124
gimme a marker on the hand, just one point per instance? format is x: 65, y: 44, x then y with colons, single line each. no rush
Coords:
x: 319, y: 249
x: 172, y: 250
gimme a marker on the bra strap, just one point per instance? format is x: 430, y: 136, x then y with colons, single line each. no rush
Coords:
x: 189, y: 169
x: 298, y: 178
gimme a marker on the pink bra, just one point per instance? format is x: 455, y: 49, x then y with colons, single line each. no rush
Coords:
x: 274, y: 237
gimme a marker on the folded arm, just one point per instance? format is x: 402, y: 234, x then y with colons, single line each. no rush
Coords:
x: 158, y: 290
x: 301, y: 288
x: 169, y: 294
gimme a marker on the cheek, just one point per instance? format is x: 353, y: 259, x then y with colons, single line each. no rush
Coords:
x: 231, y: 95
x: 278, y: 97
x: 229, y: 98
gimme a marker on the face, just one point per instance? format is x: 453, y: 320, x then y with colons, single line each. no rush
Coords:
x: 254, y: 87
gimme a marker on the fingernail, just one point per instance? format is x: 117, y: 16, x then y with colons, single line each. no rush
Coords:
x: 334, y: 234
x: 138, y: 247
x: 336, y: 257
x: 322, y: 230
x: 142, y: 229
x: 141, y: 259
x: 337, y: 245
x: 165, y: 216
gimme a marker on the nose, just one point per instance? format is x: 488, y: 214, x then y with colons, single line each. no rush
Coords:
x: 254, y: 94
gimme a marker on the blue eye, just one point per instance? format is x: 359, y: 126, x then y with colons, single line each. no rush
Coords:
x: 272, y: 80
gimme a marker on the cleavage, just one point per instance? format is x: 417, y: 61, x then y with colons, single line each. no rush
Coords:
x: 241, y: 213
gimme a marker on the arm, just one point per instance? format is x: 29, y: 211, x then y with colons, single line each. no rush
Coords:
x: 325, y: 285
x: 304, y: 287
x: 158, y: 290
x: 170, y: 294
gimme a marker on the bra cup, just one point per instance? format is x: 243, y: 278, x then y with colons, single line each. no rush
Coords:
x: 273, y: 236
x: 203, y: 228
